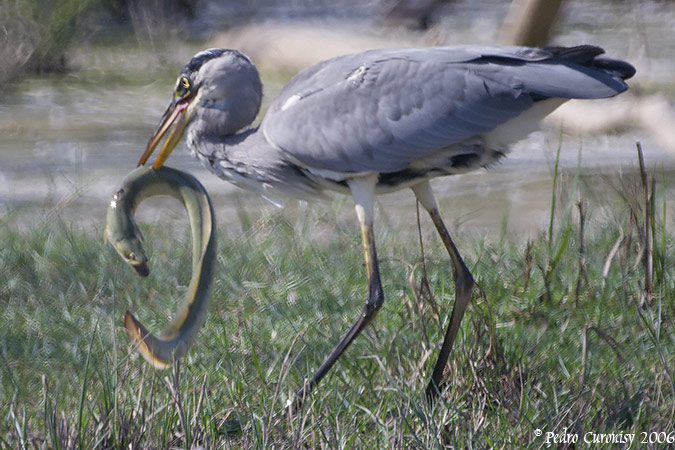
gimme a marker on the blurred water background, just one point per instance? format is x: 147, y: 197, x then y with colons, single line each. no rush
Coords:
x: 74, y: 123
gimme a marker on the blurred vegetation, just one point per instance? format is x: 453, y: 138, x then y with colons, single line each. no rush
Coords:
x: 35, y: 35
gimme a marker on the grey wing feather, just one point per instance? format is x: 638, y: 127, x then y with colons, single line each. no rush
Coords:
x: 383, y: 109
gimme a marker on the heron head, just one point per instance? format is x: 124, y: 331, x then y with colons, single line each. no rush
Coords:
x: 217, y: 93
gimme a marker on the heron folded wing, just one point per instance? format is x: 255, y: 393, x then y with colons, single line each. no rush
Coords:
x: 384, y: 114
x: 384, y: 109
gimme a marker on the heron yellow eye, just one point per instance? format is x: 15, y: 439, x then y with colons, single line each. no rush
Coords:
x: 185, y: 83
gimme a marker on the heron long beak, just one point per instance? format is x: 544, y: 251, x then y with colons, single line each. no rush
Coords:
x: 176, y: 112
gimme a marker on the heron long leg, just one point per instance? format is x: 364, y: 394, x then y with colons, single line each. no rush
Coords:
x: 463, y: 285
x: 363, y: 191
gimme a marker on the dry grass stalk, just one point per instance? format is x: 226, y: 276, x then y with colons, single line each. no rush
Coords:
x: 647, y: 236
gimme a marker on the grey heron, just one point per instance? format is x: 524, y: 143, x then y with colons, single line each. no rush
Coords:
x: 375, y: 122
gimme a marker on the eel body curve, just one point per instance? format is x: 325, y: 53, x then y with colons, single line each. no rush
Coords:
x: 123, y: 233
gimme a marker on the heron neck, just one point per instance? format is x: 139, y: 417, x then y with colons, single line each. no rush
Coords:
x: 237, y: 148
x: 249, y: 161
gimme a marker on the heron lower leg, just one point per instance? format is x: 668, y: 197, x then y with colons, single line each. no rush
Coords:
x: 363, y: 192
x: 463, y: 285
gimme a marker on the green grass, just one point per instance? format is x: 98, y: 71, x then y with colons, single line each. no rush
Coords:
x: 548, y: 343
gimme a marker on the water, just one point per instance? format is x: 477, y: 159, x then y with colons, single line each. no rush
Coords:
x: 67, y: 141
